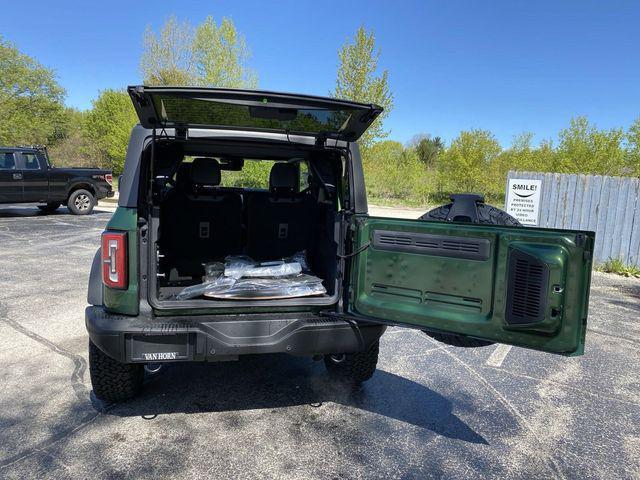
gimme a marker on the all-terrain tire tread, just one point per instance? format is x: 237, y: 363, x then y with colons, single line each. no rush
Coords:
x: 113, y: 381
x: 487, y: 214
x: 71, y: 206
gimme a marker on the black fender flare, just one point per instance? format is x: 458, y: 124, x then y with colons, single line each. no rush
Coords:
x: 86, y: 183
x: 94, y: 292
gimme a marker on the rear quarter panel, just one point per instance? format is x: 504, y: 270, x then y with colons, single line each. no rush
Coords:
x: 125, y: 301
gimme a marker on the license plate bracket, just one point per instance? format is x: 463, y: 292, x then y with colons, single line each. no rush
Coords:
x: 160, y: 348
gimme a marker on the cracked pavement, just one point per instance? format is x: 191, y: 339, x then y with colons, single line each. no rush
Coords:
x: 430, y: 411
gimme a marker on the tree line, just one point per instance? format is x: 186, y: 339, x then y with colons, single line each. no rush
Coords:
x: 424, y: 171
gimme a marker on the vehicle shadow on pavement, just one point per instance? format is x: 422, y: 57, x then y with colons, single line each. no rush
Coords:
x: 626, y: 296
x: 29, y: 211
x: 277, y: 381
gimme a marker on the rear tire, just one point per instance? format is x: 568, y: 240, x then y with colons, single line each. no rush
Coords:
x: 81, y: 202
x: 487, y: 215
x: 50, y: 207
x: 113, y: 381
x: 353, y: 368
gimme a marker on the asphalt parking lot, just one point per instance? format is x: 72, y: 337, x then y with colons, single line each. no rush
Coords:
x: 430, y: 411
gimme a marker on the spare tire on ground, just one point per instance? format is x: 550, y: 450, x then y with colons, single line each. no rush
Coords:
x: 471, y: 209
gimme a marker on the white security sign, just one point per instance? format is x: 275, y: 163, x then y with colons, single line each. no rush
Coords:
x: 523, y: 200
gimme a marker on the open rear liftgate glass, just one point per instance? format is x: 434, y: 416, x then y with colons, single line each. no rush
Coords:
x: 251, y: 110
x: 521, y: 286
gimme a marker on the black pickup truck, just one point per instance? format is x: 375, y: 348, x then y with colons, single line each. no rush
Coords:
x: 26, y: 176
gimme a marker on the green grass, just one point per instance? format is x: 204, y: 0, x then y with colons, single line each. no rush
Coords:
x: 617, y: 266
x: 434, y: 201
x: 399, y: 203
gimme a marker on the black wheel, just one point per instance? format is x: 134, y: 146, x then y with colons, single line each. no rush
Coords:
x: 81, y: 202
x: 49, y: 207
x: 488, y: 215
x: 113, y: 381
x: 353, y: 368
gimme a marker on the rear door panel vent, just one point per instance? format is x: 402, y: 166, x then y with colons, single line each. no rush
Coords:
x: 528, y: 286
x: 468, y: 248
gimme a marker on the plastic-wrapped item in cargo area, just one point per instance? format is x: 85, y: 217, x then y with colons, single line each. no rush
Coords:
x: 240, y: 277
x: 240, y: 266
x: 269, y: 288
x: 213, y: 284
x: 292, y: 286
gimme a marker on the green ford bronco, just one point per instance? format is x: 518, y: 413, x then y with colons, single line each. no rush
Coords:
x: 465, y: 273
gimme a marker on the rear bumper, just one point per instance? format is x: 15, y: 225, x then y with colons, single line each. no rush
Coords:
x: 104, y: 190
x: 222, y: 337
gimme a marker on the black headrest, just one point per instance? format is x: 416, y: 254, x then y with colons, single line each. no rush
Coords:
x: 183, y: 175
x: 284, y: 177
x: 205, y: 171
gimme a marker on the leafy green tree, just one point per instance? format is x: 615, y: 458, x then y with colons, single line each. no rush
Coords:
x: 220, y: 56
x: 394, y: 173
x: 167, y: 58
x: 109, y: 125
x: 75, y: 148
x: 254, y: 174
x: 427, y: 148
x: 583, y: 148
x: 208, y: 55
x: 357, y: 80
x: 31, y: 100
x: 467, y: 164
x: 544, y: 158
x: 633, y: 147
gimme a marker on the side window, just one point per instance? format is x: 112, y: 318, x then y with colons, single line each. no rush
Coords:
x: 31, y: 161
x: 7, y: 162
x: 304, y: 176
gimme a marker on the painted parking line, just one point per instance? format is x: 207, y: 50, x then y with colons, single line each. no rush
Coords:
x: 498, y: 355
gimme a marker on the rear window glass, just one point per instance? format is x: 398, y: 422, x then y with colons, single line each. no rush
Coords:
x: 204, y: 112
x: 304, y: 176
x: 30, y: 161
x: 254, y: 174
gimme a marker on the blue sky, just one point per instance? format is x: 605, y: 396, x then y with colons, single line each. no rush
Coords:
x: 505, y: 66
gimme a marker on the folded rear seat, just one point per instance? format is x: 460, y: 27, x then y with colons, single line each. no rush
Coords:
x: 202, y: 222
x: 280, y: 221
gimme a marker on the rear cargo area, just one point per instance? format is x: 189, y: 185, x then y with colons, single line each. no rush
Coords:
x: 204, y: 214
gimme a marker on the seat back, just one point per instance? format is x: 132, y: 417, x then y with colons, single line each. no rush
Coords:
x: 280, y: 221
x: 202, y: 222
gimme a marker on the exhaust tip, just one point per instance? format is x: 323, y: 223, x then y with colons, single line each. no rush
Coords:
x: 153, y: 368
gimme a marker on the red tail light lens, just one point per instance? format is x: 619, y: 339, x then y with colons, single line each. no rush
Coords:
x: 114, y: 259
x: 109, y: 178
